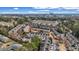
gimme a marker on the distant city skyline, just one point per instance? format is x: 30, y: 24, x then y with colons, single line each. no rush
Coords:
x: 39, y: 10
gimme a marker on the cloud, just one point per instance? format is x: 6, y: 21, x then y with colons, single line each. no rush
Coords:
x: 44, y: 7
x: 44, y: 10
x: 37, y: 12
x: 39, y: 7
x: 55, y: 7
x: 15, y: 8
x: 71, y: 7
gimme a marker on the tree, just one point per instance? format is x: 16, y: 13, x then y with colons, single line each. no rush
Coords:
x: 35, y: 42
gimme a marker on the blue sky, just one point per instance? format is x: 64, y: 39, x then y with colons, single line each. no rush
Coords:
x: 38, y: 10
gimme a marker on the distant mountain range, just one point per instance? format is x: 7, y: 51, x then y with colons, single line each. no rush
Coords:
x: 39, y: 10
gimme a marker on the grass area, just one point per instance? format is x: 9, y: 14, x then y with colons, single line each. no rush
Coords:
x: 33, y: 45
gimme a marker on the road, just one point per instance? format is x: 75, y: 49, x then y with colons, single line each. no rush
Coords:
x: 61, y: 45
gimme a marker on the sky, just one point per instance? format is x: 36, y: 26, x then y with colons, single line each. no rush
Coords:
x: 38, y: 6
x: 39, y: 10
